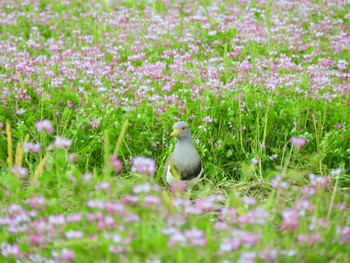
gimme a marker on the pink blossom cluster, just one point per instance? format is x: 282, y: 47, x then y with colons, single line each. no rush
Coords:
x: 143, y: 165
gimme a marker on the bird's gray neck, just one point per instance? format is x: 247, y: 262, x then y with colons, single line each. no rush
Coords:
x: 187, y: 141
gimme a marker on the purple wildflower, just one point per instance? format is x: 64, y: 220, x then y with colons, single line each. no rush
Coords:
x: 44, y: 125
x: 37, y: 202
x: 298, y: 142
x: 130, y: 199
x: 269, y: 254
x: 103, y: 185
x: 255, y: 160
x: 196, y: 237
x: 152, y: 200
x: 248, y: 200
x: 87, y: 177
x: 336, y: 172
x: 74, y: 218
x: 20, y: 171
x: 66, y: 255
x: 338, y: 126
x: 57, y: 219
x: 341, y: 206
x: 29, y: 146
x: 8, y: 250
x: 320, y: 181
x: 290, y: 220
x: 239, y: 238
x: 343, y: 235
x: 178, y: 187
x: 207, y: 204
x: 74, y: 234
x: 256, y: 216
x: 277, y: 183
x: 62, y: 143
x: 303, y: 205
x: 20, y: 111
x: 342, y: 64
x: 228, y: 214
x: 143, y: 165
x: 207, y: 120
x: 116, y: 163
x: 142, y: 188
x: 177, y: 238
x: 167, y: 87
x: 247, y: 257
x: 94, y: 123
x: 309, y: 239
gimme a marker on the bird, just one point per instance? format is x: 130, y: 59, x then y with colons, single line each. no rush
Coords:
x: 184, y: 163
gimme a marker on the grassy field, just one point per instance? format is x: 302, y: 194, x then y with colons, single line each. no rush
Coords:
x: 89, y: 91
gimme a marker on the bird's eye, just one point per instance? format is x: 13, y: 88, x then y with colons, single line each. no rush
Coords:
x: 183, y: 128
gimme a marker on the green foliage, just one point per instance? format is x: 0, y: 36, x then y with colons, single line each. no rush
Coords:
x: 242, y: 131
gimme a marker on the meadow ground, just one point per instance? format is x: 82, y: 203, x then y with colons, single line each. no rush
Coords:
x: 90, y: 90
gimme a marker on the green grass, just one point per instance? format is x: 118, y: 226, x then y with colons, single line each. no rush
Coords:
x: 73, y: 64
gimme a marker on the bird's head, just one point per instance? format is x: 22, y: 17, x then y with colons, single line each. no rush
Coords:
x: 181, y: 130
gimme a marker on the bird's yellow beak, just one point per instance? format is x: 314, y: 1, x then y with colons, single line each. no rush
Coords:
x: 175, y: 133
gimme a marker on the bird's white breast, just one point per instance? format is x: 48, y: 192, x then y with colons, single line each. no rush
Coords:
x: 169, y: 177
